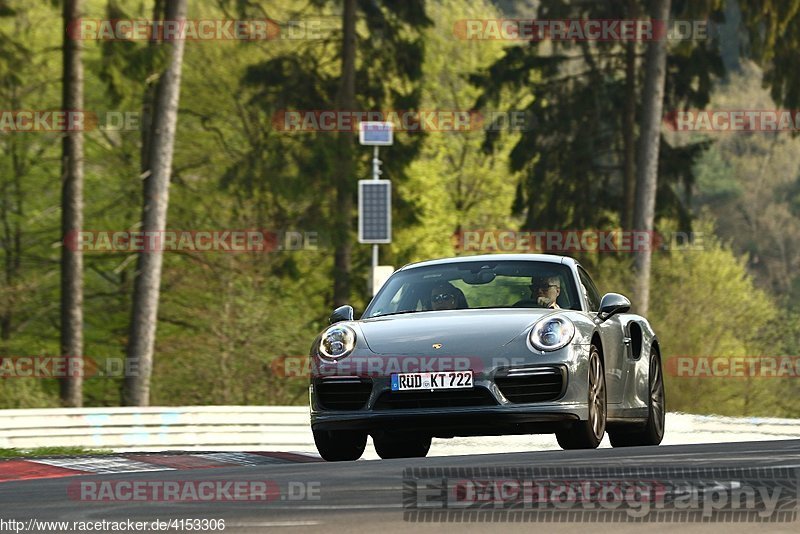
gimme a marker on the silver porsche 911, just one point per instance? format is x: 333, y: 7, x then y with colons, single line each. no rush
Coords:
x: 485, y: 345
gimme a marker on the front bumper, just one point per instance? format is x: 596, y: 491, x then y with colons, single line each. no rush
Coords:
x: 490, y: 408
x: 450, y: 422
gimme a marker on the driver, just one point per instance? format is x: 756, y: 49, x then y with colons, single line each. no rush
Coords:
x: 443, y: 297
x: 545, y: 291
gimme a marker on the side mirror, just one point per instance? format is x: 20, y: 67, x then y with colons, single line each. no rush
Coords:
x: 342, y: 313
x: 612, y: 304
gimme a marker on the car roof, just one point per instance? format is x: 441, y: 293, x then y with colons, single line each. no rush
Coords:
x: 549, y: 258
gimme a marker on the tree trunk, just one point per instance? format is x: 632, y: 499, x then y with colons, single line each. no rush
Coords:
x: 136, y: 389
x: 647, y: 164
x: 629, y: 128
x: 345, y: 101
x: 149, y: 96
x: 72, y: 211
x: 11, y: 214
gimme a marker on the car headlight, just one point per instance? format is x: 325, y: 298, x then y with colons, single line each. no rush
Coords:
x: 337, y: 342
x: 552, y: 333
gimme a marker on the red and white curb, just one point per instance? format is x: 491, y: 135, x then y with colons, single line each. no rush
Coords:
x: 35, y: 468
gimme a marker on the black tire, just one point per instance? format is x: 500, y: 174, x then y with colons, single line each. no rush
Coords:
x: 652, y: 432
x: 340, y: 445
x: 588, y: 434
x: 390, y: 445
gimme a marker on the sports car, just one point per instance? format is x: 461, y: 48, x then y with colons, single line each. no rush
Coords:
x: 485, y: 345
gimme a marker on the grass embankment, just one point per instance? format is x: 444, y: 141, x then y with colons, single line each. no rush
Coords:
x: 50, y: 451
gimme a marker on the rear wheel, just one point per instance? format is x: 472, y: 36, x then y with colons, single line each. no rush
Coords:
x: 588, y: 434
x: 652, y: 432
x: 340, y: 445
x: 390, y: 445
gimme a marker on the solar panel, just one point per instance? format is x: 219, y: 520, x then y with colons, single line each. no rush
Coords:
x: 375, y: 133
x: 374, y: 211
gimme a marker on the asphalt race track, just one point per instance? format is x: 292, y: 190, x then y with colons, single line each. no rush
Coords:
x: 368, y: 495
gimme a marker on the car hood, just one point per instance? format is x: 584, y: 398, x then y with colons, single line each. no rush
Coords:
x: 460, y: 332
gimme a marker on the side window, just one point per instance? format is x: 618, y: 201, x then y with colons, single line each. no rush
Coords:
x: 590, y: 290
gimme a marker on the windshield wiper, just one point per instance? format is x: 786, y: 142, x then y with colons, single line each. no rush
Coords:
x: 393, y: 313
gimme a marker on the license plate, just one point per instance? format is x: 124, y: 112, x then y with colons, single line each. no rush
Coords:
x: 429, y: 381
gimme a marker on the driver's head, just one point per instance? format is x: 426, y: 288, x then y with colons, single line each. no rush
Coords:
x: 443, y: 297
x: 545, y: 290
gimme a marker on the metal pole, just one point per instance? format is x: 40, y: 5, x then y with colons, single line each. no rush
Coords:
x: 376, y: 163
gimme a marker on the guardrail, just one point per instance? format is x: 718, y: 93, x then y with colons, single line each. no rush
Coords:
x: 286, y: 428
x: 159, y: 428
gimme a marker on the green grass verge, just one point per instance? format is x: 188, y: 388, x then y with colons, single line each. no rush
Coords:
x: 50, y: 451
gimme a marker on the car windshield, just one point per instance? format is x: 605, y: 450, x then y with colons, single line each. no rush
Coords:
x: 484, y: 284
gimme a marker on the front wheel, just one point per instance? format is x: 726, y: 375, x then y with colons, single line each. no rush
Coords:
x: 588, y: 434
x: 340, y: 445
x: 397, y: 445
x: 653, y: 430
